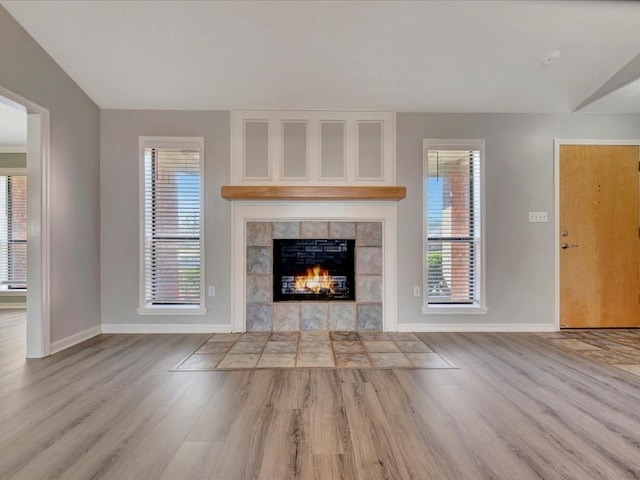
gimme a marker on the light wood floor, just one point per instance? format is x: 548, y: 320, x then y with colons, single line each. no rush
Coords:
x: 517, y: 408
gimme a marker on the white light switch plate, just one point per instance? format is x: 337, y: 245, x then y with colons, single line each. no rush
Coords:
x: 538, y: 217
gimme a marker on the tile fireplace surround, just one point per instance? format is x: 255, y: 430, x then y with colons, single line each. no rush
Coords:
x: 370, y: 224
x: 364, y: 314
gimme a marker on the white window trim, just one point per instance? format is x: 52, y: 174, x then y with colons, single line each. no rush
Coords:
x: 145, y: 308
x: 462, y: 309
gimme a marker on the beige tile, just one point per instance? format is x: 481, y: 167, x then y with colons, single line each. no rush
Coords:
x: 314, y: 347
x: 281, y: 347
x: 315, y: 360
x: 344, y: 336
x: 549, y: 335
x: 428, y: 360
x: 284, y: 336
x: 610, y: 356
x: 412, y: 347
x: 380, y: 346
x: 253, y: 336
x: 248, y: 347
x: 373, y: 336
x: 314, y: 336
x: 630, y: 353
x: 632, y: 368
x: 348, y: 347
x: 403, y: 337
x: 201, y: 362
x: 631, y: 342
x: 277, y: 360
x: 224, y: 337
x: 574, y: 344
x: 390, y: 360
x: 242, y: 360
x: 352, y: 360
x: 606, y: 344
x: 215, y: 347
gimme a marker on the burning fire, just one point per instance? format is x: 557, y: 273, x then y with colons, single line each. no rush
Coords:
x: 316, y: 281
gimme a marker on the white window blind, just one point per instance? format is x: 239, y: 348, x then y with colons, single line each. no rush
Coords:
x: 13, y: 232
x: 172, y: 226
x: 453, y: 228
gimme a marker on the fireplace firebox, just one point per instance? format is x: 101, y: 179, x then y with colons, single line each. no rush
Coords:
x: 313, y: 269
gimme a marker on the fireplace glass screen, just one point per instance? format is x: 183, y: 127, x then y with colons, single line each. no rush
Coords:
x: 318, y: 269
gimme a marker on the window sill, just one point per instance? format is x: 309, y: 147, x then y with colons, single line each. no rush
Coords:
x: 13, y: 293
x: 454, y: 310
x: 173, y: 310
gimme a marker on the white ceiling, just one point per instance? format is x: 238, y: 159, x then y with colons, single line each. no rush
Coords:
x: 437, y: 56
x: 624, y: 100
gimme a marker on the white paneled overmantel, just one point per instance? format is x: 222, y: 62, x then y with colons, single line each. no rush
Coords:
x: 312, y: 147
x: 312, y: 167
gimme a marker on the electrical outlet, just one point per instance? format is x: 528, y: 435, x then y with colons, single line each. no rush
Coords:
x: 416, y: 291
x: 212, y: 291
x: 538, y: 217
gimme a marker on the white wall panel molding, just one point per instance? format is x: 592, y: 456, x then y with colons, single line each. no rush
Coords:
x: 312, y: 147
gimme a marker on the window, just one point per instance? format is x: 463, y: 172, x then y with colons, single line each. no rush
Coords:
x: 171, y: 229
x: 13, y: 233
x: 453, y: 227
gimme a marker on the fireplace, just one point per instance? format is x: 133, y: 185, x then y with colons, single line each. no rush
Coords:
x: 371, y: 226
x: 313, y: 269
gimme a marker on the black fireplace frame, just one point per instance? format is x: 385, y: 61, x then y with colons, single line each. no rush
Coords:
x: 293, y: 256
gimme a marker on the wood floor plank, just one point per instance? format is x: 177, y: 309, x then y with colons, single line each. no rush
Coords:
x: 286, y: 449
x: 58, y: 444
x: 376, y: 450
x: 335, y: 467
x: 188, y: 461
x: 151, y: 455
x: 518, y: 407
x: 220, y: 412
x: 327, y: 433
x: 123, y: 434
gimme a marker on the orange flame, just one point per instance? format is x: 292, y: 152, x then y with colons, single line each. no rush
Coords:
x: 315, y: 281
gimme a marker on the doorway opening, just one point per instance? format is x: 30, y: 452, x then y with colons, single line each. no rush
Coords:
x: 24, y: 253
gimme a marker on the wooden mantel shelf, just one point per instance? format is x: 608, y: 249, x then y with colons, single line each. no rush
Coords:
x: 317, y: 192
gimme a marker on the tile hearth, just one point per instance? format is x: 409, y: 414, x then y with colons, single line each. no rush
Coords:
x: 314, y: 349
x: 617, y: 347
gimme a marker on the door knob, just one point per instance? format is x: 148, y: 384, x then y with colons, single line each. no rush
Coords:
x: 564, y: 246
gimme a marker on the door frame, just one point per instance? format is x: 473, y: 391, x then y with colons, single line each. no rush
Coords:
x: 556, y: 207
x: 38, y: 222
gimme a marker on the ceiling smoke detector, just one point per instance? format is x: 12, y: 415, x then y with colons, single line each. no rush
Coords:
x: 551, y: 56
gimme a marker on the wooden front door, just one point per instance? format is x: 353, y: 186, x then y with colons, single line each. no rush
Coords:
x: 599, y: 266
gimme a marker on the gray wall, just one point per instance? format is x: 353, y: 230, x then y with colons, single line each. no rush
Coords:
x: 518, y: 179
x: 119, y: 134
x: 26, y: 69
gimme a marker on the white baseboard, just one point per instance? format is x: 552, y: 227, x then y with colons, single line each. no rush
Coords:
x: 163, y: 328
x: 482, y: 327
x: 74, y: 339
x: 13, y: 306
